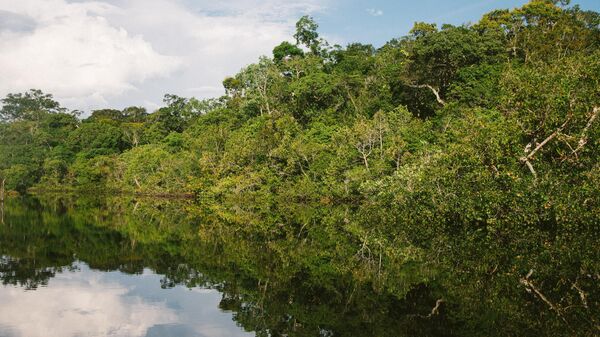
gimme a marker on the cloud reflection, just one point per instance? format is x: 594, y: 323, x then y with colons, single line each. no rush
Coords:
x: 76, y: 304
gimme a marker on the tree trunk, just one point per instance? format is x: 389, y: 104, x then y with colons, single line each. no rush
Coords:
x: 366, y: 161
x: 2, y: 189
x: 2, y: 200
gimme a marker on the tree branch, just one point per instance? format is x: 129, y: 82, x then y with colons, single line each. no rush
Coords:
x: 529, y: 155
x: 352, y: 100
x: 531, y: 287
x: 433, y: 90
x: 584, y: 139
x: 530, y: 166
x: 435, y: 311
x: 581, y: 294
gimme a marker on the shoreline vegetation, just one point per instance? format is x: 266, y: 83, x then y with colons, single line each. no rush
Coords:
x: 99, y: 192
x: 460, y: 159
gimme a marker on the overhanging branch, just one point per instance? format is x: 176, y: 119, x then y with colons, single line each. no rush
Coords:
x: 583, y: 139
x: 435, y: 91
x: 529, y: 155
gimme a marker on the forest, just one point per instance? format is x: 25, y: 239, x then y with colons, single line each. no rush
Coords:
x: 460, y: 158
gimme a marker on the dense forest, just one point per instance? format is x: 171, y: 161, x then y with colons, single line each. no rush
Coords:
x: 461, y: 158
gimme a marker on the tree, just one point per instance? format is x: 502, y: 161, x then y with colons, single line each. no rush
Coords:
x: 437, y: 56
x: 258, y: 80
x: 286, y: 49
x: 134, y: 114
x: 93, y: 139
x: 307, y: 35
x: 233, y: 86
x: 2, y: 189
x: 171, y: 118
x: 555, y: 106
x: 28, y: 106
x: 106, y: 114
x: 19, y: 177
x: 422, y: 29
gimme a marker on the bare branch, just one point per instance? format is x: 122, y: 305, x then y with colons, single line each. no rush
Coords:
x: 352, y: 100
x: 435, y: 311
x: 531, y: 287
x: 582, y: 294
x: 137, y: 182
x: 530, y: 166
x: 433, y: 90
x: 584, y: 138
x: 548, y: 139
x: 529, y: 155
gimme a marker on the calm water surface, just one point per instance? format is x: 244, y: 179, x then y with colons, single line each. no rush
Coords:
x: 80, y: 301
x: 77, y: 267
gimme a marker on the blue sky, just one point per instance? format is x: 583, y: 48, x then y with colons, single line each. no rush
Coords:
x: 378, y: 21
x: 94, y: 54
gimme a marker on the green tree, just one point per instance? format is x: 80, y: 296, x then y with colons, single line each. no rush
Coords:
x: 307, y: 35
x: 286, y: 49
x: 28, y: 106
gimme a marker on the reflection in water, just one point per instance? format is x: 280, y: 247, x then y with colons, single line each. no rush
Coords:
x: 74, y: 266
x: 91, y: 303
x: 126, y: 267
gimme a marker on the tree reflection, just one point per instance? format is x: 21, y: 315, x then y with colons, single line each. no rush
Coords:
x: 299, y: 279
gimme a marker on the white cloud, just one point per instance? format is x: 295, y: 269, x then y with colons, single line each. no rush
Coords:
x: 77, y: 306
x: 267, y: 9
x: 75, y: 53
x: 85, y: 302
x: 375, y: 12
x: 93, y: 54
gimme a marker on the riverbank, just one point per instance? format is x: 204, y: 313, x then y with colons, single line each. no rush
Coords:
x: 104, y: 192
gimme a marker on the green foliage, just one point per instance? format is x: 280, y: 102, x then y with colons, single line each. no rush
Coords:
x: 93, y: 172
x: 55, y: 172
x: 306, y: 34
x: 152, y: 168
x: 28, y: 106
x: 286, y: 49
x: 19, y: 177
x: 276, y: 288
x: 471, y: 150
x: 97, y: 138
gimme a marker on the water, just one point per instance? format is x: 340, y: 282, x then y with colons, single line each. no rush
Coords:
x: 72, y: 266
x: 81, y: 301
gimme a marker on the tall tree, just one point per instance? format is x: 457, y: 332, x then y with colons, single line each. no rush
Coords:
x: 28, y: 106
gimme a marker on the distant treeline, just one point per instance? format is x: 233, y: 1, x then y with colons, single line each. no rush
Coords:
x: 478, y: 144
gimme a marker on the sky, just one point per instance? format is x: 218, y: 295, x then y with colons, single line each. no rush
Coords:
x: 93, y: 54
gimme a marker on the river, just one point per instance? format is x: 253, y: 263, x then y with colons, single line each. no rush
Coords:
x: 80, y: 266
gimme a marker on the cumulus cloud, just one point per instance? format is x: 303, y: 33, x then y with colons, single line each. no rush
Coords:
x: 92, y: 54
x: 214, y: 39
x: 375, y: 12
x: 77, y: 307
x: 74, y: 52
x: 10, y: 21
x: 85, y: 302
